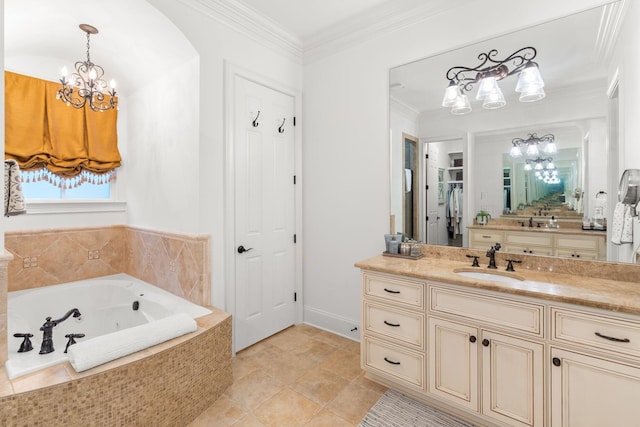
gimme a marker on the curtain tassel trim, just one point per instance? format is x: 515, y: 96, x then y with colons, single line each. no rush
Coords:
x: 68, y: 183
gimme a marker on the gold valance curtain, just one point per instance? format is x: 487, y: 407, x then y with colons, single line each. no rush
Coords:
x: 43, y: 132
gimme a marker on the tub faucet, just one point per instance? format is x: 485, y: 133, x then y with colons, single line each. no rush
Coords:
x: 530, y: 221
x: 47, y: 330
x: 491, y: 253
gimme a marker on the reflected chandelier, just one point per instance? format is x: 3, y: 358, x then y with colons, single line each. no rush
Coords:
x: 539, y: 164
x: 487, y: 74
x: 532, y: 143
x: 86, y: 86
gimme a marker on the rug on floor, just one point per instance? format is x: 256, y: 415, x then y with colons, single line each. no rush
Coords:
x: 394, y: 409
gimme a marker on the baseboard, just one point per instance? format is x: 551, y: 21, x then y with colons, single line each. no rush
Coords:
x: 333, y: 323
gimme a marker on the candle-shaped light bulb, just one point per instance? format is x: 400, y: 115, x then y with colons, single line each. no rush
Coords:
x: 112, y: 83
x: 93, y: 74
x: 64, y: 72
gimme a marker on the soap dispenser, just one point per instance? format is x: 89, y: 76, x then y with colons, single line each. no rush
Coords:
x: 552, y: 222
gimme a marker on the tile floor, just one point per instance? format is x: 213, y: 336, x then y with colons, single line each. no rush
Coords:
x: 302, y: 376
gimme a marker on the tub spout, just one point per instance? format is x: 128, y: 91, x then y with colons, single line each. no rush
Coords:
x: 47, y: 330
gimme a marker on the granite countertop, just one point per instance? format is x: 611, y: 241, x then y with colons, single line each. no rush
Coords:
x: 541, y: 229
x: 586, y: 291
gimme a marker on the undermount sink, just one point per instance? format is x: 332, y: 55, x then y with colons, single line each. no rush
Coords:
x: 492, y: 276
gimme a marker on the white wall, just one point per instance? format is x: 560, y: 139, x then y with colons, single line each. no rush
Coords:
x: 2, y: 226
x: 346, y: 137
x: 215, y: 43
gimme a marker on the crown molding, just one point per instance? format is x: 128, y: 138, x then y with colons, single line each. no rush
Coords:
x: 377, y: 21
x: 403, y: 109
x: 610, y: 23
x: 250, y: 23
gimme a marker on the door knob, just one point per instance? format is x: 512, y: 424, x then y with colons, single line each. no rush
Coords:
x: 242, y: 250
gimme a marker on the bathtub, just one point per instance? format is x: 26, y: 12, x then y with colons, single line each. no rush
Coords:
x: 107, y: 304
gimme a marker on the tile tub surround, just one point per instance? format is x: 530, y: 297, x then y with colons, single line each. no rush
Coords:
x: 166, y: 385
x: 178, y: 263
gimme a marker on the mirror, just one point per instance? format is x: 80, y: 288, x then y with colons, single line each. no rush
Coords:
x: 472, y: 150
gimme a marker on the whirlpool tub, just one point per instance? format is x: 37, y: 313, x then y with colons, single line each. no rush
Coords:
x: 107, y: 305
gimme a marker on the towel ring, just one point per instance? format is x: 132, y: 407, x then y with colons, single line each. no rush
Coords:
x: 628, y: 193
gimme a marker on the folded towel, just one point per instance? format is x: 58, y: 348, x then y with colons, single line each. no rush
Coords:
x: 627, y: 226
x: 622, y: 228
x: 408, y: 177
x: 96, y: 351
x: 13, y: 198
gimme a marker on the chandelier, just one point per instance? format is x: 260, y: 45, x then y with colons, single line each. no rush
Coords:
x: 86, y: 86
x: 487, y: 74
x: 532, y: 143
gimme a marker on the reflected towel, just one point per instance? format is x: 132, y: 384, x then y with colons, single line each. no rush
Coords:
x: 13, y: 197
x: 408, y: 177
x: 622, y: 228
x: 96, y: 351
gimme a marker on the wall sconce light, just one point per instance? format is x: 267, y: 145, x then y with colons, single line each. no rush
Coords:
x: 532, y: 143
x: 539, y: 165
x: 487, y: 74
x: 85, y: 86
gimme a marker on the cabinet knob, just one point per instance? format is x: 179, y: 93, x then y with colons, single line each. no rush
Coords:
x: 556, y: 361
x: 472, y: 339
x: 485, y: 342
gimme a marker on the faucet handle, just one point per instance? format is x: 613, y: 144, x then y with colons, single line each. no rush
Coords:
x: 475, y: 260
x: 497, y: 246
x: 72, y: 340
x: 510, y: 264
x: 26, y: 342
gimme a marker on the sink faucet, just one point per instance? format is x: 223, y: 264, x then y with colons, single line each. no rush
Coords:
x: 491, y: 253
x: 530, y: 221
x: 47, y: 330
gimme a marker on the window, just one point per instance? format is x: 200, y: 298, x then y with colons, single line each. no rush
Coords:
x: 45, y: 190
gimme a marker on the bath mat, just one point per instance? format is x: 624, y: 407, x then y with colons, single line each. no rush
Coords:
x: 395, y: 409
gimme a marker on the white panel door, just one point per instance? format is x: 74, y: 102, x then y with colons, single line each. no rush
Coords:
x: 265, y: 212
x: 432, y: 195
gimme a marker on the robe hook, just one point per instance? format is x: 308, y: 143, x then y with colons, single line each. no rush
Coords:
x: 255, y: 121
x: 281, y: 128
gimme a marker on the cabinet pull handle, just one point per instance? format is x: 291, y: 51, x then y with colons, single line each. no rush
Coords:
x: 390, y: 291
x: 556, y: 361
x: 395, y: 325
x: 598, y: 334
x: 485, y: 342
x: 472, y: 339
x: 391, y: 361
x: 486, y: 237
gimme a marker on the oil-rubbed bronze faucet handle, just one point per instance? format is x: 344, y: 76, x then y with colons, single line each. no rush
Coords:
x: 510, y: 264
x: 475, y: 260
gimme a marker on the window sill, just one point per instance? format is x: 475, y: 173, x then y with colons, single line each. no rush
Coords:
x: 44, y: 207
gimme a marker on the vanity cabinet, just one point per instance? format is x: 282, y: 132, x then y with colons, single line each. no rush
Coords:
x: 393, y: 336
x: 540, y: 243
x: 595, y: 376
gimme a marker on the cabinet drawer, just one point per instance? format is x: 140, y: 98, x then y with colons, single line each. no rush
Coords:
x: 577, y: 242
x: 393, y: 289
x: 595, y: 331
x: 486, y: 237
x: 572, y: 253
x: 396, y: 324
x: 390, y: 360
x: 535, y: 250
x: 521, y: 316
x: 533, y: 238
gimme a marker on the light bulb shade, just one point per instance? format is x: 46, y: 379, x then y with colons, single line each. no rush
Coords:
x: 539, y: 166
x: 551, y: 148
x: 488, y: 86
x: 515, y: 151
x: 554, y: 173
x: 532, y: 150
x: 535, y: 94
x: 494, y: 100
x: 527, y: 167
x: 529, y: 78
x: 550, y: 166
x: 451, y: 94
x: 545, y: 173
x: 462, y: 105
x: 538, y: 173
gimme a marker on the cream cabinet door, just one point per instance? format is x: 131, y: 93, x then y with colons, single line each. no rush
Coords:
x: 587, y: 391
x: 453, y: 362
x: 512, y: 380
